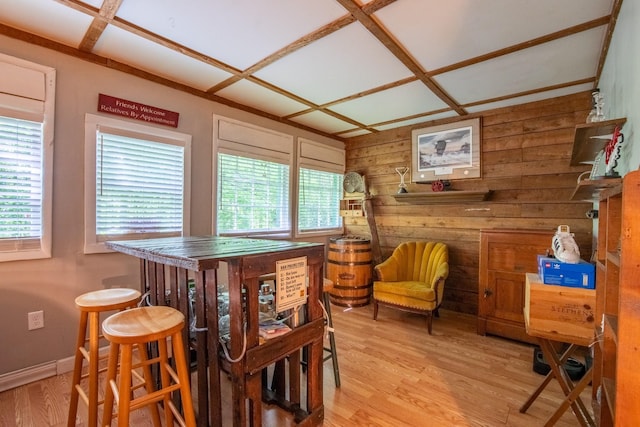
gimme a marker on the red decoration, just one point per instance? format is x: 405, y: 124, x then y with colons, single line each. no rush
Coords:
x: 611, y: 144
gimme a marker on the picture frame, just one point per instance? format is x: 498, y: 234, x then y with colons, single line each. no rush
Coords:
x: 446, y: 152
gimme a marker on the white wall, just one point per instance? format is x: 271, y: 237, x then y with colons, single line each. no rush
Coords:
x: 52, y: 284
x: 620, y: 82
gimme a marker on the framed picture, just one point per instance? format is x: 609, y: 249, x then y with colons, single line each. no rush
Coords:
x: 450, y: 151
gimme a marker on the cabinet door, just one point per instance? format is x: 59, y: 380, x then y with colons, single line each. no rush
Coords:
x: 505, y: 257
x: 506, y: 295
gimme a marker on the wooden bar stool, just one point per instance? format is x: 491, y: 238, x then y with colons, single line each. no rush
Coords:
x: 91, y: 306
x: 327, y: 286
x: 139, y: 327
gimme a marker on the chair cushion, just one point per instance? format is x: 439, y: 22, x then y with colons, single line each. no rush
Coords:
x: 411, y: 289
x: 411, y: 294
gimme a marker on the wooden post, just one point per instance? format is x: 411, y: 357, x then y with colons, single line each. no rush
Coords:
x: 371, y: 221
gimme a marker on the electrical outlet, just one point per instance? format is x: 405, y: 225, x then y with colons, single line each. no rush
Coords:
x: 35, y: 320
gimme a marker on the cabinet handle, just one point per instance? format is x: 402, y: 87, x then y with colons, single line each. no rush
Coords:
x: 487, y: 292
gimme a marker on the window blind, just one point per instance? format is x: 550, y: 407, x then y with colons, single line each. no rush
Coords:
x: 319, y: 200
x: 139, y: 188
x: 21, y: 184
x: 253, y: 195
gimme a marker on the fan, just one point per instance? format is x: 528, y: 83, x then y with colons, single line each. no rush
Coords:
x: 353, y: 182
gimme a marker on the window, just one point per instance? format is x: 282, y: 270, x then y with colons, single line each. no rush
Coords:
x: 253, y: 196
x: 27, y: 100
x: 137, y: 182
x: 320, y: 172
x: 253, y: 180
x: 319, y: 200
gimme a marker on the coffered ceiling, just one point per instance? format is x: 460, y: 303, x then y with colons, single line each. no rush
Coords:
x: 340, y: 67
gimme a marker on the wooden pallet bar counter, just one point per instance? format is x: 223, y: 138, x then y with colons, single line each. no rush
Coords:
x: 167, y: 265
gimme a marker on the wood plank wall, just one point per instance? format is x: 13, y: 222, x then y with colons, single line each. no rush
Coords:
x: 526, y: 152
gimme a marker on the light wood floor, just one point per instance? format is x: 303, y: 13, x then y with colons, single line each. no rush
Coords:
x: 393, y: 374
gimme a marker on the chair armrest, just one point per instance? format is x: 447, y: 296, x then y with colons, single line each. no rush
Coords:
x: 387, y: 271
x: 438, y: 281
x: 441, y: 273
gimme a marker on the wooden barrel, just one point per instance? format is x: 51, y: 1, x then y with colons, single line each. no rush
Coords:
x: 349, y: 267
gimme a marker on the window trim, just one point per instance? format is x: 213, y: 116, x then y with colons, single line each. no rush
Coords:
x: 94, y: 123
x: 20, y: 107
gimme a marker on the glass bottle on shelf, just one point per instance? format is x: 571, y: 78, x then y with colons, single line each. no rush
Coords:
x: 597, y: 110
x: 600, y: 108
x: 593, y: 113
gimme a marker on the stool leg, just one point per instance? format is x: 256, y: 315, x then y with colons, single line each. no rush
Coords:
x: 183, y: 376
x: 166, y: 380
x: 148, y: 382
x: 124, y: 386
x: 94, y: 338
x: 77, y: 370
x: 332, y: 340
x: 107, y: 413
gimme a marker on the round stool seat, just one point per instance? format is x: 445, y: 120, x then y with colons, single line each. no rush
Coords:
x: 107, y: 299
x: 143, y: 324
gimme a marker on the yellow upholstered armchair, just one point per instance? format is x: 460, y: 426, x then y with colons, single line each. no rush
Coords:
x: 412, y: 279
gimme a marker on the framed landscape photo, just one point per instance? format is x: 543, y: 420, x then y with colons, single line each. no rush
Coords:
x: 446, y: 152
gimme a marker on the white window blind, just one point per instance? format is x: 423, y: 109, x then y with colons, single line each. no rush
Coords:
x: 253, y: 195
x: 139, y: 188
x: 21, y: 184
x: 319, y: 200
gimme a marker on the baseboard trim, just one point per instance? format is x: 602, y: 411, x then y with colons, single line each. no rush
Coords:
x: 39, y: 372
x: 27, y: 375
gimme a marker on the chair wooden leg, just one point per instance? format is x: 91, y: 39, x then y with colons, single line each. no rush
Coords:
x: 375, y: 309
x: 429, y: 321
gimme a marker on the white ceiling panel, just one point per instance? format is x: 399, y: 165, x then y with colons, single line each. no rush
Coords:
x: 237, y: 32
x: 256, y: 96
x: 46, y: 18
x: 406, y: 100
x: 438, y: 34
x: 343, y: 63
x: 354, y: 133
x: 157, y: 59
x: 560, y: 61
x: 531, y: 98
x: 323, y: 121
x: 417, y: 120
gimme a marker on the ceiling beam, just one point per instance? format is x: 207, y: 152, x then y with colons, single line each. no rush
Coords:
x: 107, y: 12
x: 374, y: 28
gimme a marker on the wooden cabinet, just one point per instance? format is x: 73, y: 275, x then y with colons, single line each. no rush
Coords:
x: 616, y: 382
x: 505, y: 257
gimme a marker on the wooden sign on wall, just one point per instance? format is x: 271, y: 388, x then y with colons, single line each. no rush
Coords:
x: 135, y: 110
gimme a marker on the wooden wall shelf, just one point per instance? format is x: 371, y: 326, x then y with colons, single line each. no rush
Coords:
x: 437, y: 197
x: 587, y: 145
x: 589, y: 189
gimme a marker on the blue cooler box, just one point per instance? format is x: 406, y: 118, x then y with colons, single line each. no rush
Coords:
x: 554, y: 272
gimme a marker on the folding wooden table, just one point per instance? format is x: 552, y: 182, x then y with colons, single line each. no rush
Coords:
x: 569, y: 329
